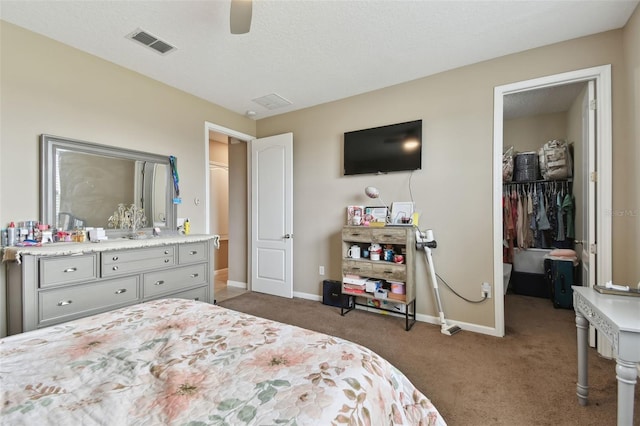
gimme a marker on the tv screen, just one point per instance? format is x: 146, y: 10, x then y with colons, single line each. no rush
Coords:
x: 392, y: 148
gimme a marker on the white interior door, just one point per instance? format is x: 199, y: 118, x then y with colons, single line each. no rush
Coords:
x: 272, y: 215
x: 589, y: 210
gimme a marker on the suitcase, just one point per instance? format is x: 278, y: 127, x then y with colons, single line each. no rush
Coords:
x: 560, y: 276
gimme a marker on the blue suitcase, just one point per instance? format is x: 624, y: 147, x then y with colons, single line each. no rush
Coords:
x: 560, y: 276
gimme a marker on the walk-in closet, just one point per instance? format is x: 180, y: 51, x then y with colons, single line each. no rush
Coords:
x: 542, y: 186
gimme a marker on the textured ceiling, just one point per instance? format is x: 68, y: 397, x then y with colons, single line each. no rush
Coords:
x: 310, y: 52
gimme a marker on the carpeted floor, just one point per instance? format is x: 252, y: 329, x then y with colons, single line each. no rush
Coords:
x: 526, y: 378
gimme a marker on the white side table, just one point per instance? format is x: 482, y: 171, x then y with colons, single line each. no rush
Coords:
x: 617, y: 318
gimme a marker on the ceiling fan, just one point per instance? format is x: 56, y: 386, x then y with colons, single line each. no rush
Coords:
x: 240, y: 16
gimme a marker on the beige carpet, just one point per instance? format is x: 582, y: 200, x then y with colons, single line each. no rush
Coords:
x: 525, y: 378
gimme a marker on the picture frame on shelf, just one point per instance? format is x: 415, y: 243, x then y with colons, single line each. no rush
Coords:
x: 402, y: 213
x: 376, y: 215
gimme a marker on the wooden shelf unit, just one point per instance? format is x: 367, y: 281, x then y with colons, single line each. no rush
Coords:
x: 403, y: 240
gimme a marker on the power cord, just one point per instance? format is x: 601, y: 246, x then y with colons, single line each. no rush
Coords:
x: 460, y: 296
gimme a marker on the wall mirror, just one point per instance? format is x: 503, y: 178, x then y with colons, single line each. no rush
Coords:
x: 82, y: 184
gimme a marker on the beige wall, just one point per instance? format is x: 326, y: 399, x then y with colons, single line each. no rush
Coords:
x: 530, y: 133
x: 47, y: 87
x: 238, y: 205
x: 454, y: 189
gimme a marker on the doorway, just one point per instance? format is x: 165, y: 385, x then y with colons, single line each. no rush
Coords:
x: 601, y: 78
x: 226, y: 197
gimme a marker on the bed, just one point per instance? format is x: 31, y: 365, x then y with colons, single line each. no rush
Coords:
x: 182, y: 362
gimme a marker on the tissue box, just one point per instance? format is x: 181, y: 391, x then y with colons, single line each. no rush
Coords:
x: 380, y: 293
x: 372, y: 285
x: 97, y: 234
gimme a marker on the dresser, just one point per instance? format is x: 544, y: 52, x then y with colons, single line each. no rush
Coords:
x: 63, y: 281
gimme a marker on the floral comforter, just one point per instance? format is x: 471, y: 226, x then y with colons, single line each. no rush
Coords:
x: 182, y: 362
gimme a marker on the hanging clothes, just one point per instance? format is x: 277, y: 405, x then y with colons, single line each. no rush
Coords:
x: 560, y: 236
x: 567, y: 210
x: 537, y: 215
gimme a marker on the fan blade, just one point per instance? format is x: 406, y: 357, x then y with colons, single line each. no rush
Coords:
x: 240, y: 17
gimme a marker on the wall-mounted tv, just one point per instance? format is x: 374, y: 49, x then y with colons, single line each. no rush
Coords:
x: 392, y: 148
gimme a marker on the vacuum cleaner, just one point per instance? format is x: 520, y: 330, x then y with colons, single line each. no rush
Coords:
x: 427, y: 242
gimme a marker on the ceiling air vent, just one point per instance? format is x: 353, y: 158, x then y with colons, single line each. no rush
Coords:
x: 151, y: 41
x: 272, y: 101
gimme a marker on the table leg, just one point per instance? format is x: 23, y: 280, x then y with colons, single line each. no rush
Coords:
x: 626, y: 374
x: 582, y: 325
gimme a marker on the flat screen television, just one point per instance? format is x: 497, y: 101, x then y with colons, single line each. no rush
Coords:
x: 392, y: 148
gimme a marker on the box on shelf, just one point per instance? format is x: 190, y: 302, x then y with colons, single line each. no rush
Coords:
x: 373, y: 285
x: 355, y: 211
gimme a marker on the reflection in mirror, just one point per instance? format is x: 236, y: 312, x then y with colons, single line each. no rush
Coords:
x: 83, y: 184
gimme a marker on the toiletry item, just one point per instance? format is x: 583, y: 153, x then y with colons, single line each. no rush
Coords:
x: 187, y: 227
x: 5, y: 238
x: 11, y: 234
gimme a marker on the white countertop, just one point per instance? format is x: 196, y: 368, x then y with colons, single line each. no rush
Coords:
x: 65, y: 248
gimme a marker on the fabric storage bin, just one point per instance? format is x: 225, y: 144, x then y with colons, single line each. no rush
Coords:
x: 332, y: 295
x: 526, y: 167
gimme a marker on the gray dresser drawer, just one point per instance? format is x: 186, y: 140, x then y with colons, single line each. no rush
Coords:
x: 192, y: 253
x: 68, y: 269
x: 66, y: 303
x: 199, y: 293
x: 132, y: 261
x: 161, y: 282
x: 123, y: 256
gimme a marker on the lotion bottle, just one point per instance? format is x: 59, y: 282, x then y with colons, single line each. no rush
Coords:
x: 11, y: 234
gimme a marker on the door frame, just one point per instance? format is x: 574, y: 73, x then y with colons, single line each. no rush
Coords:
x: 246, y: 138
x: 602, y: 77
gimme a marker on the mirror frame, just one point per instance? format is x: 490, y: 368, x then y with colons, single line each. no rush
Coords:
x: 49, y: 144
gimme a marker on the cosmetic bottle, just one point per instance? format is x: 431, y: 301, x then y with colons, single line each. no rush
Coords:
x: 11, y: 234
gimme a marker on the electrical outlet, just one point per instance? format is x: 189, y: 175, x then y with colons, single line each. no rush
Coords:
x: 321, y: 270
x: 486, y: 289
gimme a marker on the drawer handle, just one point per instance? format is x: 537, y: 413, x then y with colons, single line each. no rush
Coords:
x: 197, y: 298
x: 160, y: 282
x: 166, y: 261
x: 194, y: 275
x: 115, y: 268
x: 388, y: 272
x: 192, y: 252
x: 65, y: 302
x: 121, y: 290
x: 166, y: 252
x: 70, y: 269
x: 115, y: 258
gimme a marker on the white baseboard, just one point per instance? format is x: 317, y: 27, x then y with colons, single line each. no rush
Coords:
x: 419, y: 317
x: 237, y: 284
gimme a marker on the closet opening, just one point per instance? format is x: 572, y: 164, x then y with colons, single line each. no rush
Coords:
x: 543, y: 205
x: 226, y: 208
x: 593, y: 156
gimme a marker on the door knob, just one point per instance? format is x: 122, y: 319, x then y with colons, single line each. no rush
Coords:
x: 287, y: 236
